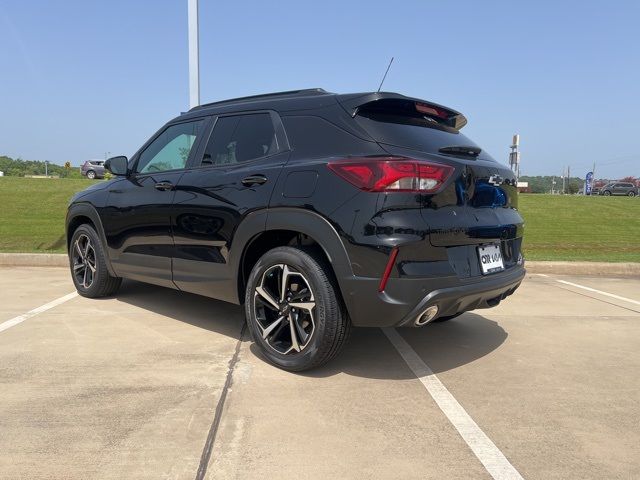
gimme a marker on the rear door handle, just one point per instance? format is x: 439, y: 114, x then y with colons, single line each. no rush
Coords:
x: 164, y: 186
x: 254, y: 180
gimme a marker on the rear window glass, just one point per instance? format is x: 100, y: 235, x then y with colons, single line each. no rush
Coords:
x: 412, y: 131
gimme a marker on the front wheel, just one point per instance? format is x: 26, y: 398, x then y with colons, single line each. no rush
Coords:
x: 88, y: 264
x: 91, y: 174
x: 607, y: 193
x: 293, y: 309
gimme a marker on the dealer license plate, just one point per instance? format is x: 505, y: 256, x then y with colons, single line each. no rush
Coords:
x: 490, y: 258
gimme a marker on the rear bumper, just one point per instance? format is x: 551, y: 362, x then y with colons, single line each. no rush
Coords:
x: 404, y: 299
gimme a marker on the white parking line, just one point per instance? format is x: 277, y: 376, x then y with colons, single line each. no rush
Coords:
x: 606, y: 294
x: 491, y: 457
x: 42, y: 308
x: 589, y: 289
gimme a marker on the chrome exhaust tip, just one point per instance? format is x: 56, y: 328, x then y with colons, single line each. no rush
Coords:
x: 426, y: 316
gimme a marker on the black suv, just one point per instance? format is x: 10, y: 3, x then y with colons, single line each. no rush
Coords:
x: 315, y: 210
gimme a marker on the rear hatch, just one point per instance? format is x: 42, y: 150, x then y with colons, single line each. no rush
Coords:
x: 478, y: 203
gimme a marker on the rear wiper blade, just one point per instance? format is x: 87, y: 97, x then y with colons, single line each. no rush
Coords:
x: 466, y: 151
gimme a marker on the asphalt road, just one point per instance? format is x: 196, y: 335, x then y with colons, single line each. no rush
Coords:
x: 158, y: 384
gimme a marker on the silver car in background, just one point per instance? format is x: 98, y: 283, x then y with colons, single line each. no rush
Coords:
x: 93, y: 169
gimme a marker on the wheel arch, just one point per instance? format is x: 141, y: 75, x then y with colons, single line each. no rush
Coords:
x: 84, y: 213
x: 284, y: 226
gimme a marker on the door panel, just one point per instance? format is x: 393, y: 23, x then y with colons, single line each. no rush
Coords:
x: 209, y: 205
x: 137, y: 227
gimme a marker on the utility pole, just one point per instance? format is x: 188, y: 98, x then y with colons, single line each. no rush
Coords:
x: 514, y: 156
x: 563, y: 179
x: 194, y: 56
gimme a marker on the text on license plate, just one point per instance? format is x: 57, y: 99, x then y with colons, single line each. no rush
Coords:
x: 490, y: 258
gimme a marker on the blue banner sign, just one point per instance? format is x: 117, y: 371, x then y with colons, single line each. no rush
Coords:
x: 587, y: 183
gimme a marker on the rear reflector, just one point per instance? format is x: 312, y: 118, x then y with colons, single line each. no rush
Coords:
x: 387, y: 271
x: 392, y: 174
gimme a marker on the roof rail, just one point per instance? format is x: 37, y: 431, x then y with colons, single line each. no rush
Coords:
x: 292, y: 93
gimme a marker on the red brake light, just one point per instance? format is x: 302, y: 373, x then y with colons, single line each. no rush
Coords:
x: 431, y: 110
x: 392, y: 174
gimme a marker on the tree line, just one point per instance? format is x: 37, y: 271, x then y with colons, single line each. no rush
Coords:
x: 19, y: 168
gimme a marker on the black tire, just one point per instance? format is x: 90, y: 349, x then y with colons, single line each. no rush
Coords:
x: 632, y: 194
x: 446, y: 319
x: 91, y: 175
x: 101, y: 283
x: 328, y: 317
x: 607, y: 193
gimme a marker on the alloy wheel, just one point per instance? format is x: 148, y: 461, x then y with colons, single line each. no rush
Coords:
x: 284, y: 306
x: 84, y: 261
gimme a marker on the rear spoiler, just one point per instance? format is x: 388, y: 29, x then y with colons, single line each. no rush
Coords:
x: 396, y: 103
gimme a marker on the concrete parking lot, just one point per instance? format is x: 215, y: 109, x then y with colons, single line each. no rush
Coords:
x: 158, y: 384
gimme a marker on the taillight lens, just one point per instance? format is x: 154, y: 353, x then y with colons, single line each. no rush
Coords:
x: 392, y: 174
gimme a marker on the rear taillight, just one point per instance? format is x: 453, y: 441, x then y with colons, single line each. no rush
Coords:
x: 392, y: 174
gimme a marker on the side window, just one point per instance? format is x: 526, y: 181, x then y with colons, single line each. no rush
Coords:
x: 170, y: 150
x: 241, y: 138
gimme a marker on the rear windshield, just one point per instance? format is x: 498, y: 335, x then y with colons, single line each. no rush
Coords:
x: 413, y: 132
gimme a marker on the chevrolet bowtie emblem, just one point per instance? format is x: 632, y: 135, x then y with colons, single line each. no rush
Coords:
x: 495, y: 180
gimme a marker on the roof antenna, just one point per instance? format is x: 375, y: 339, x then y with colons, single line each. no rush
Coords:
x: 385, y: 74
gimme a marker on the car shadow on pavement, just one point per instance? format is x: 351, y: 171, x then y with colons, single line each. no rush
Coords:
x: 442, y: 346
x: 368, y: 353
x: 202, y: 312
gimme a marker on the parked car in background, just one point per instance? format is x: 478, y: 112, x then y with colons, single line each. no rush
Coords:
x: 93, y: 169
x: 619, y: 188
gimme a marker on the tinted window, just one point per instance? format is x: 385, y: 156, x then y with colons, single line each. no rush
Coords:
x: 414, y: 132
x: 170, y: 150
x: 241, y: 138
x: 316, y: 137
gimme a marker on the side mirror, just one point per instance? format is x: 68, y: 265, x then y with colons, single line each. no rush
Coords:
x: 117, y: 165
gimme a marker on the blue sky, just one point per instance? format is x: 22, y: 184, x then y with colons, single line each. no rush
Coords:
x: 81, y: 78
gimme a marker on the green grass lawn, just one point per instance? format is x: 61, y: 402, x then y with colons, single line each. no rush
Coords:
x: 603, y: 229
x: 32, y: 212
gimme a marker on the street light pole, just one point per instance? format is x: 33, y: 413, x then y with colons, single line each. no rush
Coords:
x: 194, y: 59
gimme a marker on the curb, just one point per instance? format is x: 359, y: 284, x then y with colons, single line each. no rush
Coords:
x: 583, y: 268
x: 554, y: 267
x: 34, y: 260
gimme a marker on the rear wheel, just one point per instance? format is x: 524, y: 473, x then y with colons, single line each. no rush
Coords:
x: 632, y: 194
x: 88, y: 265
x: 293, y: 310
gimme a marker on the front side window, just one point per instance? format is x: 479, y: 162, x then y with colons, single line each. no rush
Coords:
x: 241, y: 138
x: 170, y: 150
